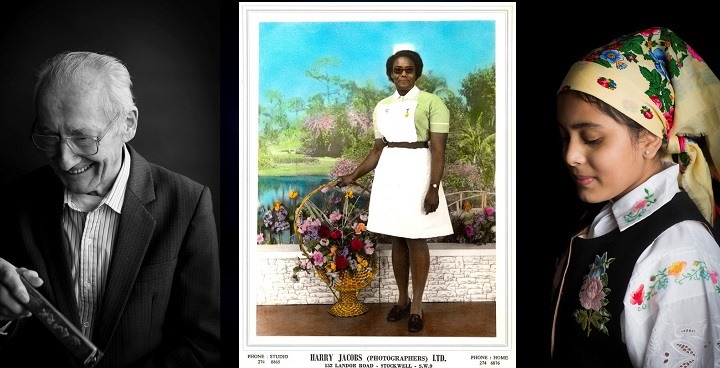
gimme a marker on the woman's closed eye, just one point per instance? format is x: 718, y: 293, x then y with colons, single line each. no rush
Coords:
x: 592, y: 141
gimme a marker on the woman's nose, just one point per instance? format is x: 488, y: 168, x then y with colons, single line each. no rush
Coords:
x: 572, y: 152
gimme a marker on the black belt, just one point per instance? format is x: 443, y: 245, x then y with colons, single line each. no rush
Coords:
x: 423, y: 144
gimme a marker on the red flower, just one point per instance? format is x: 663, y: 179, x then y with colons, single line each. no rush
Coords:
x: 335, y: 234
x: 356, y: 244
x: 323, y: 231
x: 670, y: 117
x: 657, y: 102
x: 341, y: 262
x: 637, y: 296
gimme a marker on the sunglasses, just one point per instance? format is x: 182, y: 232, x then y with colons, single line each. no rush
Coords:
x: 407, y: 70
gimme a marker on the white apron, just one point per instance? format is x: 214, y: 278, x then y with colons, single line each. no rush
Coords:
x: 402, y: 178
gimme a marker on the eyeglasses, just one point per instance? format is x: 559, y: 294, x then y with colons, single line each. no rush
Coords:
x: 408, y: 70
x: 84, y: 145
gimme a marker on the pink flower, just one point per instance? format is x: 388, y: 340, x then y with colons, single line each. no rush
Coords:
x: 591, y: 294
x: 489, y: 211
x: 647, y: 113
x: 369, y: 247
x: 305, y: 264
x: 657, y: 102
x: 260, y: 238
x: 639, y: 205
x: 713, y: 277
x: 670, y: 117
x: 317, y: 258
x: 650, y: 31
x: 693, y: 53
x: 335, y: 216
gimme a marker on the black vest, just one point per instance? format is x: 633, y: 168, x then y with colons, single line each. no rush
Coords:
x: 573, y: 346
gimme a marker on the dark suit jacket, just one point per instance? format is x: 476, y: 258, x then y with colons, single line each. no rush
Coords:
x: 162, y: 301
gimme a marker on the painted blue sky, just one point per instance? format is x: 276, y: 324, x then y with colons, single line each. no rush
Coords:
x: 450, y: 49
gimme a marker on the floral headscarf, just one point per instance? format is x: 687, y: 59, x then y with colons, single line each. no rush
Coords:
x: 659, y: 81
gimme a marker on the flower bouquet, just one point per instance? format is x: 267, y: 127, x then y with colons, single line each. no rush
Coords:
x: 274, y: 227
x: 330, y: 226
x: 474, y: 225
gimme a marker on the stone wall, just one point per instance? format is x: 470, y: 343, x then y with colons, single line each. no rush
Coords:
x: 458, y: 273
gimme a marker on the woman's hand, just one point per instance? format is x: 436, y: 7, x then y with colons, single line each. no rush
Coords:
x: 432, y: 200
x: 345, y: 180
x: 13, y: 294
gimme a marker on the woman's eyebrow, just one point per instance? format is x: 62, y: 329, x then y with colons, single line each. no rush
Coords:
x: 583, y: 125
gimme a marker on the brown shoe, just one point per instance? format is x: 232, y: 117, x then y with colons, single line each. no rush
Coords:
x: 397, y: 313
x: 415, y: 323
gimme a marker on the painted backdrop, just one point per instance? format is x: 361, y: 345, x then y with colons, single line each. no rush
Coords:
x: 318, y: 85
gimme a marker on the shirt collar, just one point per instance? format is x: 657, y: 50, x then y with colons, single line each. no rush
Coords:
x: 115, y: 197
x: 647, y: 198
x: 412, y: 93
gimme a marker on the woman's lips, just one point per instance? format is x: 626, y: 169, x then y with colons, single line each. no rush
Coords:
x: 584, y: 180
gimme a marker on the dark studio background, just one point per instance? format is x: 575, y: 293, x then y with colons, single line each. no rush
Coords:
x: 172, y: 53
x: 547, y: 207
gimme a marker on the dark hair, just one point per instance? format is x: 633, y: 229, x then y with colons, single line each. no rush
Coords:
x: 412, y: 55
x: 636, y: 130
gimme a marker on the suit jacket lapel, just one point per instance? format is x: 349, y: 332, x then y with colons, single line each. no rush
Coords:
x: 133, y: 237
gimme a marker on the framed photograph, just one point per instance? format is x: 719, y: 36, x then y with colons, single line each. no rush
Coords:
x: 310, y: 77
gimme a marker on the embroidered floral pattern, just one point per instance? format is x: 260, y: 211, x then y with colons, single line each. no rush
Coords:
x: 683, y: 157
x: 668, y: 53
x: 647, y: 113
x: 680, y: 274
x: 607, y: 83
x: 593, y: 297
x: 639, y: 208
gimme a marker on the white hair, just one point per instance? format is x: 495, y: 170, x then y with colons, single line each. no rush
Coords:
x: 114, y: 79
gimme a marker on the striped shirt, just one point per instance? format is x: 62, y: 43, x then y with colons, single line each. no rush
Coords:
x: 90, y: 224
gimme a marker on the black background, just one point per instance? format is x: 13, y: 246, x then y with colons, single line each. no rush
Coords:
x: 547, y: 207
x: 172, y: 51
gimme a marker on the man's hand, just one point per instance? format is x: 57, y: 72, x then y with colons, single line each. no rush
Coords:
x: 13, y: 293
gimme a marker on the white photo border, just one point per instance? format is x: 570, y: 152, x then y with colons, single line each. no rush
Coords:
x: 458, y: 349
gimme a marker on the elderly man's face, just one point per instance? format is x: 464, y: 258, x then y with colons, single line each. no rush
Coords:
x: 75, y: 111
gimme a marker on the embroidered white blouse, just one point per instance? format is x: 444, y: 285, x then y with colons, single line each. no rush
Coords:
x: 671, y: 316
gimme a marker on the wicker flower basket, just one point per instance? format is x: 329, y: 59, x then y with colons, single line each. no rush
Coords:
x: 347, y: 304
x: 346, y: 284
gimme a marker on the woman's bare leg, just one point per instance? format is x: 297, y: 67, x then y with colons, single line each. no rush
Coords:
x: 401, y: 268
x: 420, y: 267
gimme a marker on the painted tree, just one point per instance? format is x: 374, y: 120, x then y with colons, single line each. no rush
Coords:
x: 476, y: 134
x: 321, y: 72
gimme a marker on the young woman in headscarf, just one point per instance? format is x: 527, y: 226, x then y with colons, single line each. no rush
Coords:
x: 638, y: 287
